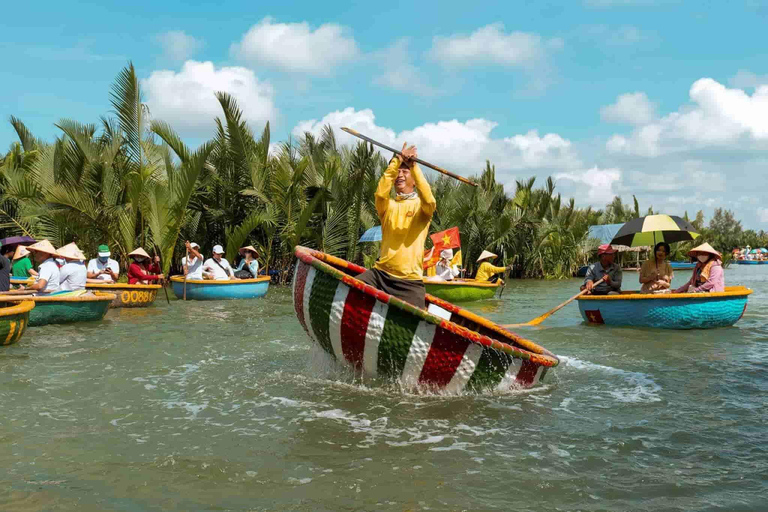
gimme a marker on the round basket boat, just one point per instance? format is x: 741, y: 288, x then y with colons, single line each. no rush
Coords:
x: 443, y: 348
x: 26, y: 281
x: 55, y: 309
x: 128, y: 295
x: 221, y: 290
x: 667, y: 311
x: 747, y: 262
x: 13, y: 322
x: 461, y: 290
x: 682, y: 265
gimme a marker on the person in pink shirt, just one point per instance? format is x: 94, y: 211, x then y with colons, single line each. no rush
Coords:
x: 708, y: 276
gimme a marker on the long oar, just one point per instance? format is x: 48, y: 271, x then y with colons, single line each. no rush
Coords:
x: 539, y: 319
x: 422, y: 162
x: 185, y: 277
x: 165, y: 284
x: 504, y: 283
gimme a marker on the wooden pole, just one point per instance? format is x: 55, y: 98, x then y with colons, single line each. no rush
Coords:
x: 418, y: 160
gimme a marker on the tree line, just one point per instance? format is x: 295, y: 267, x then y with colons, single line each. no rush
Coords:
x: 131, y: 181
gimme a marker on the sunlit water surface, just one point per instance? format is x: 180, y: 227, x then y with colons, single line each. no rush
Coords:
x: 226, y: 406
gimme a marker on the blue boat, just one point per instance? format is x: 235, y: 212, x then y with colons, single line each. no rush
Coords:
x: 682, y: 265
x: 221, y: 290
x: 748, y: 262
x: 667, y: 311
x: 582, y: 272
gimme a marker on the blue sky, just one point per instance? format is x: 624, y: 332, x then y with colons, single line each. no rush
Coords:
x: 665, y: 100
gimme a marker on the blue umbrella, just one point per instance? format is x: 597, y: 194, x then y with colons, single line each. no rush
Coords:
x: 372, y: 235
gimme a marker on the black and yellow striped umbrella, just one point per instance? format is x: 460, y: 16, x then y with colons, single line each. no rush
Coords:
x: 653, y: 229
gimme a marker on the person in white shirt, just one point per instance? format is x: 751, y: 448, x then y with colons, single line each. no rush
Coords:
x: 73, y: 274
x: 103, y: 269
x: 48, y: 274
x: 218, y: 265
x: 194, y: 269
x: 444, y: 269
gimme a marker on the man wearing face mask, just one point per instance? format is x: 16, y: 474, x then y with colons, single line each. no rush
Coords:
x: 103, y: 269
x: 404, y: 226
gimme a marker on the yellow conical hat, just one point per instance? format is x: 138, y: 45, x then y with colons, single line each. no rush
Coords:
x: 44, y: 246
x: 21, y: 251
x: 71, y: 252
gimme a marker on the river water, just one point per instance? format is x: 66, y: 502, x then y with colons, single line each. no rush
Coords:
x: 227, y: 406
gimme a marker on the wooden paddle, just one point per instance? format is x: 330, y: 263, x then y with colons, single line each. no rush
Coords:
x: 165, y: 283
x: 186, y: 272
x: 422, y: 162
x: 539, y: 319
x: 504, y: 282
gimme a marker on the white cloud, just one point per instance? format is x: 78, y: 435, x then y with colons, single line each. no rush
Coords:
x: 762, y: 215
x: 632, y: 108
x: 599, y: 183
x: 491, y: 45
x: 459, y: 146
x: 177, y: 45
x: 186, y: 99
x: 408, y: 78
x: 747, y: 80
x: 717, y: 116
x: 296, y: 47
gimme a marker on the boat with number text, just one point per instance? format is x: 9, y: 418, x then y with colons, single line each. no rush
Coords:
x: 667, y: 311
x: 204, y: 289
x: 443, y: 348
x: 128, y: 295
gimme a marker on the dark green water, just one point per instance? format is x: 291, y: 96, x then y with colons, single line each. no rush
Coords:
x: 226, y: 406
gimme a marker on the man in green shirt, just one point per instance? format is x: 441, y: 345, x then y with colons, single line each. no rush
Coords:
x: 22, y: 266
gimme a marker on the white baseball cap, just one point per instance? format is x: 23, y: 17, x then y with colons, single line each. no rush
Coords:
x: 194, y: 244
x: 217, y: 249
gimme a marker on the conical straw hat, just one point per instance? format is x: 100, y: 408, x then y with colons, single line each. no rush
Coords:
x: 21, y: 251
x: 44, y: 246
x: 247, y: 248
x: 706, y: 249
x: 71, y: 252
x: 485, y: 255
x: 139, y: 252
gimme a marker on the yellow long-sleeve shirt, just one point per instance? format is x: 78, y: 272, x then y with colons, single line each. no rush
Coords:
x: 486, y: 271
x: 404, y: 224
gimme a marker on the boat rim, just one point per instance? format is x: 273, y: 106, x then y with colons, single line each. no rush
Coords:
x: 532, y: 351
x: 22, y: 307
x: 123, y: 286
x: 180, y: 279
x: 465, y: 282
x: 731, y: 291
x: 96, y: 297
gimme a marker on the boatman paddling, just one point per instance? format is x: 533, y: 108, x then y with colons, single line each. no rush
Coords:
x: 404, y: 226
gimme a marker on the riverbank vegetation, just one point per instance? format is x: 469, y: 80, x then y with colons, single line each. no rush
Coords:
x: 131, y: 181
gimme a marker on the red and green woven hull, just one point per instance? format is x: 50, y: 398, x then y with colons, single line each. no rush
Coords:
x: 443, y: 348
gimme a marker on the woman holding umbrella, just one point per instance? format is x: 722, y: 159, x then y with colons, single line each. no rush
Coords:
x: 656, y: 274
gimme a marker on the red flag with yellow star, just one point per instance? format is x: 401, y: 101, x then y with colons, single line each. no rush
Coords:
x: 448, y: 239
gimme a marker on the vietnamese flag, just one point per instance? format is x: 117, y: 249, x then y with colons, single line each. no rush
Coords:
x: 448, y: 239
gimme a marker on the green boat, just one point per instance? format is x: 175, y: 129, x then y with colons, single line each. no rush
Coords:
x: 13, y: 321
x: 55, y: 309
x: 461, y: 290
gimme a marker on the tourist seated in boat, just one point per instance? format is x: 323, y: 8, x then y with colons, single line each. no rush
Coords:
x: 217, y: 267
x: 48, y: 270
x: 405, y: 223
x: 249, y: 265
x: 607, y: 268
x: 708, y: 276
x: 22, y: 265
x: 142, y: 270
x: 194, y: 269
x: 103, y: 269
x: 487, y: 270
x: 72, y: 275
x: 6, y: 253
x: 656, y: 273
x: 444, y: 271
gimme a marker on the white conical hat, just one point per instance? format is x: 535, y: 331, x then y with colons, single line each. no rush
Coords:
x: 139, y: 252
x: 706, y: 249
x: 44, y: 246
x: 486, y: 255
x: 21, y: 251
x: 71, y: 252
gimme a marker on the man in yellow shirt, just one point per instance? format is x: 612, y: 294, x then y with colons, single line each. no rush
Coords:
x: 404, y: 226
x: 488, y: 270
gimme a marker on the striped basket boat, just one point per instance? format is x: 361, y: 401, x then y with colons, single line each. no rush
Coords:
x: 444, y: 348
x: 14, y: 321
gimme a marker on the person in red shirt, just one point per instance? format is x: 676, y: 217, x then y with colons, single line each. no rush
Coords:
x: 141, y: 271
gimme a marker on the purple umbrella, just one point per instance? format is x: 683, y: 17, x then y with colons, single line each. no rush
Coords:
x: 17, y: 240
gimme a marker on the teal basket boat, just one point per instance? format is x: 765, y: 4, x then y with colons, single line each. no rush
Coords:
x: 461, y: 290
x: 55, y: 309
x: 13, y: 322
x: 197, y: 289
x: 667, y: 311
